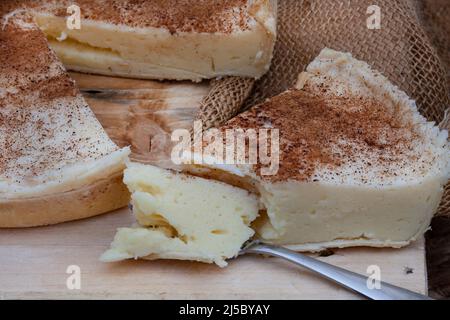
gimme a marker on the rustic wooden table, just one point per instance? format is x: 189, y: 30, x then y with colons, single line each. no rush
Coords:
x: 140, y: 114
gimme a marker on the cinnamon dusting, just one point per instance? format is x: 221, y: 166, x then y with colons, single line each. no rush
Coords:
x: 45, y: 124
x: 324, y: 131
x: 206, y: 16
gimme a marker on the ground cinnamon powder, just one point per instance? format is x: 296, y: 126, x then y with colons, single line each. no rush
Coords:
x: 323, y: 130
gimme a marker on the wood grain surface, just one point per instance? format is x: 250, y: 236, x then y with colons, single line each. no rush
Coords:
x: 141, y: 114
x: 34, y: 264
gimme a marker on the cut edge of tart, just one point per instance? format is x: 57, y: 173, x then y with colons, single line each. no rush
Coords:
x: 57, y: 163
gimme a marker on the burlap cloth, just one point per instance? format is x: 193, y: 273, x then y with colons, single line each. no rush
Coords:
x: 401, y: 50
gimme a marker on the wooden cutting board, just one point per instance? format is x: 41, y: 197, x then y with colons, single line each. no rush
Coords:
x: 34, y: 262
x: 142, y: 113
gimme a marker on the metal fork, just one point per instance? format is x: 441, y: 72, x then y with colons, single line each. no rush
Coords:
x: 345, y: 278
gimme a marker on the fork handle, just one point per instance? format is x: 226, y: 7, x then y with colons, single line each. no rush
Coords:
x: 345, y: 278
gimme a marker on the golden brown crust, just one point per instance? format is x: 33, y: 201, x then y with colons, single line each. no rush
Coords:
x: 103, y: 196
x: 45, y: 124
